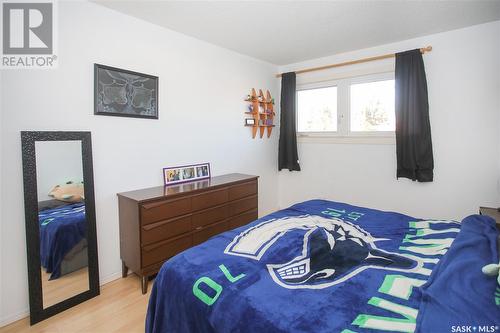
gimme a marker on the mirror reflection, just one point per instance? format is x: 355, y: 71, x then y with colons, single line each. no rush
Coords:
x: 62, y: 221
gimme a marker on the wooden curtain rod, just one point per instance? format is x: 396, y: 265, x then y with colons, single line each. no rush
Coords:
x: 353, y: 62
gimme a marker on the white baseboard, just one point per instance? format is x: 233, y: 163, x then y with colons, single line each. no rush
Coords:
x: 111, y: 277
x: 25, y: 313
x: 15, y: 317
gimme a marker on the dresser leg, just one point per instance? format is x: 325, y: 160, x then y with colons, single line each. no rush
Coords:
x: 144, y: 284
x: 124, y: 270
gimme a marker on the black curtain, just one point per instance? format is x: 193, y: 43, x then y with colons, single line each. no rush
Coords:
x: 287, y: 151
x: 413, y: 129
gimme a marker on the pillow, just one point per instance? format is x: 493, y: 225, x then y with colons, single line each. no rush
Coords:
x: 69, y: 192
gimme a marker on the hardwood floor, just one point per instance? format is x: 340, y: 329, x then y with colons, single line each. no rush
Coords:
x: 121, y: 307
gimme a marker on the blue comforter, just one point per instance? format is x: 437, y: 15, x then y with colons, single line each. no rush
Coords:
x: 61, y: 229
x: 323, y: 266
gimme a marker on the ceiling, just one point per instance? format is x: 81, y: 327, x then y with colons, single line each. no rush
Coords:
x: 284, y: 32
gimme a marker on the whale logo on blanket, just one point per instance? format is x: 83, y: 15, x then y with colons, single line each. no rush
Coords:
x: 333, y: 251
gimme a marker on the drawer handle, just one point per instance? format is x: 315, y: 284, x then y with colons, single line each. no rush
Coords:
x: 154, y: 246
x: 149, y: 206
x: 159, y: 224
x: 198, y: 228
x: 249, y: 198
x: 211, y: 192
x: 149, y: 248
x: 158, y: 204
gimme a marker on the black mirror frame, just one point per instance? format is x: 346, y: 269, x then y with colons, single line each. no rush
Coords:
x: 28, y: 139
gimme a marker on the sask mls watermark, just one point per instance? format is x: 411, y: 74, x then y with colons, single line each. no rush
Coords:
x: 28, y: 35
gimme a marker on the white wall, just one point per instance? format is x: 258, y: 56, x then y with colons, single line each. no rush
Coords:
x: 201, y: 120
x: 463, y: 74
x: 57, y: 162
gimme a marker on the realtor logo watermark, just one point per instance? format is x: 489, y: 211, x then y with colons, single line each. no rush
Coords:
x: 28, y: 35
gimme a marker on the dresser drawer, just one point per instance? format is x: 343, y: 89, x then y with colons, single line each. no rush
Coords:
x: 242, y: 190
x: 210, y: 216
x: 161, y: 251
x: 162, y: 230
x: 207, y: 232
x: 243, y: 219
x: 242, y: 205
x: 209, y: 199
x: 163, y: 210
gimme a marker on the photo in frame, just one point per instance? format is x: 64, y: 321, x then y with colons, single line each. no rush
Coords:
x: 249, y: 121
x: 186, y: 173
x: 124, y: 93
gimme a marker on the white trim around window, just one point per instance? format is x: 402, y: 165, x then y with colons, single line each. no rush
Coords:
x: 343, y: 133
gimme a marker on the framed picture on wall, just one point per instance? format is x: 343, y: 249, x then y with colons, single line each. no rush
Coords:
x: 123, y: 93
x: 186, y: 173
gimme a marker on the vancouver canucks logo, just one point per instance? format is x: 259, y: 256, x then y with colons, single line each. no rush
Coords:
x: 333, y: 251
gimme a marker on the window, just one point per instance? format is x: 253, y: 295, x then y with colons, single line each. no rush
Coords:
x: 318, y: 110
x: 353, y: 107
x: 372, y: 106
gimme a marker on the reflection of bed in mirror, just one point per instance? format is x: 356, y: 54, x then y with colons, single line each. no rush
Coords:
x: 62, y: 221
x: 63, y: 242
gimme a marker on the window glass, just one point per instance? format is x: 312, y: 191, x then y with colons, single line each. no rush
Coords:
x: 317, y: 110
x: 372, y: 106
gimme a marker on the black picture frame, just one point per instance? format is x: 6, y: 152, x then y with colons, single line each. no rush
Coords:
x: 98, y: 67
x: 28, y: 139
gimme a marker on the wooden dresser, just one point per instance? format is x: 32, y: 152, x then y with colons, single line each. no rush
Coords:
x: 491, y: 212
x: 159, y: 222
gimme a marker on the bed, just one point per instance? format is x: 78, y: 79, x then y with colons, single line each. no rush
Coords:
x: 323, y: 266
x: 63, y: 242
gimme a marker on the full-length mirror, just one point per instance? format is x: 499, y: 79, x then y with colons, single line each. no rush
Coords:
x: 60, y: 221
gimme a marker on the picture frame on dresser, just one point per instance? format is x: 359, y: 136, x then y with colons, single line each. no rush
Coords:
x: 186, y: 173
x: 159, y: 222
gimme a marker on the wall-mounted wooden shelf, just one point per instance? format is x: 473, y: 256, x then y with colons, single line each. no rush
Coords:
x: 263, y: 120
